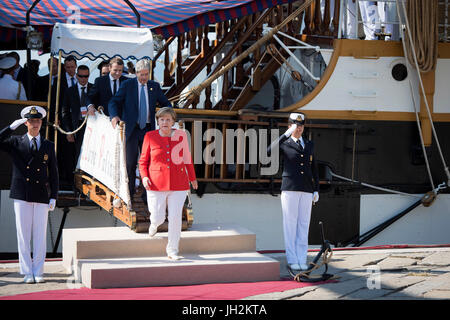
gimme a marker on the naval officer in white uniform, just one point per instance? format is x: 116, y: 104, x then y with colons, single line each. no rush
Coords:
x: 299, y: 190
x: 34, y: 188
x: 10, y: 88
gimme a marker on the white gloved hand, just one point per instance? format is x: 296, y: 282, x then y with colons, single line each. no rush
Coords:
x: 290, y: 130
x: 146, y: 183
x: 52, y: 204
x: 315, y: 197
x: 17, y: 123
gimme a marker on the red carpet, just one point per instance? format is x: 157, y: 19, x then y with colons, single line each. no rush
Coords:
x: 221, y: 291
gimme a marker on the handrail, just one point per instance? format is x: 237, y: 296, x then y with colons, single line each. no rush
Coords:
x: 24, y: 102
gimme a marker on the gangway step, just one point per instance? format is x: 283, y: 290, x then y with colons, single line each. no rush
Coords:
x: 121, y: 242
x: 192, y: 269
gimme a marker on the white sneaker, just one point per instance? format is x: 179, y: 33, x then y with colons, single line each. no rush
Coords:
x: 294, y: 267
x: 174, y: 257
x: 28, y: 279
x: 39, y: 279
x: 152, y: 231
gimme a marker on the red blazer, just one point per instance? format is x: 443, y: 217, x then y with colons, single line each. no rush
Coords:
x: 166, y: 161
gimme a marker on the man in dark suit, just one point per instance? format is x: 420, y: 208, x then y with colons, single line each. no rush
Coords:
x: 34, y: 188
x: 135, y: 104
x: 299, y: 190
x: 74, y: 110
x: 70, y: 68
x: 107, y: 86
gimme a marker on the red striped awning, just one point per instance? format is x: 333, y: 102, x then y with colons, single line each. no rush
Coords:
x: 164, y: 17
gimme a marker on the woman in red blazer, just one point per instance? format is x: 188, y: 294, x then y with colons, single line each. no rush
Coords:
x: 166, y: 169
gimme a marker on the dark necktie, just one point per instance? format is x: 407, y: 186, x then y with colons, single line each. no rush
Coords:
x: 300, y: 144
x: 115, y: 87
x: 83, y: 97
x: 34, y: 147
x: 73, y: 81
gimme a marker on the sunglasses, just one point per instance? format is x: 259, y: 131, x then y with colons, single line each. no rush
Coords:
x: 83, y: 76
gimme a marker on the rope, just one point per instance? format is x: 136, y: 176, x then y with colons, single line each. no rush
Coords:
x: 423, y: 16
x: 418, y: 69
x: 375, y: 187
x: 198, y: 89
x: 71, y: 132
x: 326, y: 258
x: 427, y: 163
x: 274, y: 52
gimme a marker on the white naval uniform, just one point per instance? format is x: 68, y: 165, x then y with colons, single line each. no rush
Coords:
x: 9, y: 88
x: 31, y: 224
x: 296, y: 207
x: 34, y: 184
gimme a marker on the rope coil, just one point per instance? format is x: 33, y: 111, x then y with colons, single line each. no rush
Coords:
x: 423, y: 18
x: 326, y: 258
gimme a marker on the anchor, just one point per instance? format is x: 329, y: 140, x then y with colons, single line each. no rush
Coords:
x: 326, y: 253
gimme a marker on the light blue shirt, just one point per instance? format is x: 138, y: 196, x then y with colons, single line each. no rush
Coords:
x: 301, y: 141
x: 38, y: 140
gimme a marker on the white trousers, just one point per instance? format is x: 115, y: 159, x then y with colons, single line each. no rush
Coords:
x: 174, y: 200
x: 369, y: 17
x: 31, y: 224
x: 296, y: 207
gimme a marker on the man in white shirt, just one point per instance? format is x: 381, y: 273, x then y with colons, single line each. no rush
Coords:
x: 70, y: 65
x: 9, y: 88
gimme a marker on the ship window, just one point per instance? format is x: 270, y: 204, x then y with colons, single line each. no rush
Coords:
x: 399, y: 72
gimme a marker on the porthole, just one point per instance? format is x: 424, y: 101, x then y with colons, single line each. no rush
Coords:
x: 399, y: 72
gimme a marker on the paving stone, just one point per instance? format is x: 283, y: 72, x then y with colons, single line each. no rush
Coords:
x: 396, y: 281
x: 396, y: 262
x: 367, y: 294
x: 412, y: 255
x: 437, y: 258
x: 441, y: 282
x: 437, y: 294
x: 356, y: 261
x: 334, y: 290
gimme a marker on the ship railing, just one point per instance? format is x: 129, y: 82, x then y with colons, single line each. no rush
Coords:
x: 387, y: 21
x: 384, y: 19
x: 229, y: 149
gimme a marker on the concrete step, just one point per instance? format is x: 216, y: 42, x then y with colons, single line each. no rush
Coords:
x: 192, y: 269
x: 121, y: 242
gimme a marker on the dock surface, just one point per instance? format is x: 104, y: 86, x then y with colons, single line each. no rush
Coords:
x: 364, y: 274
